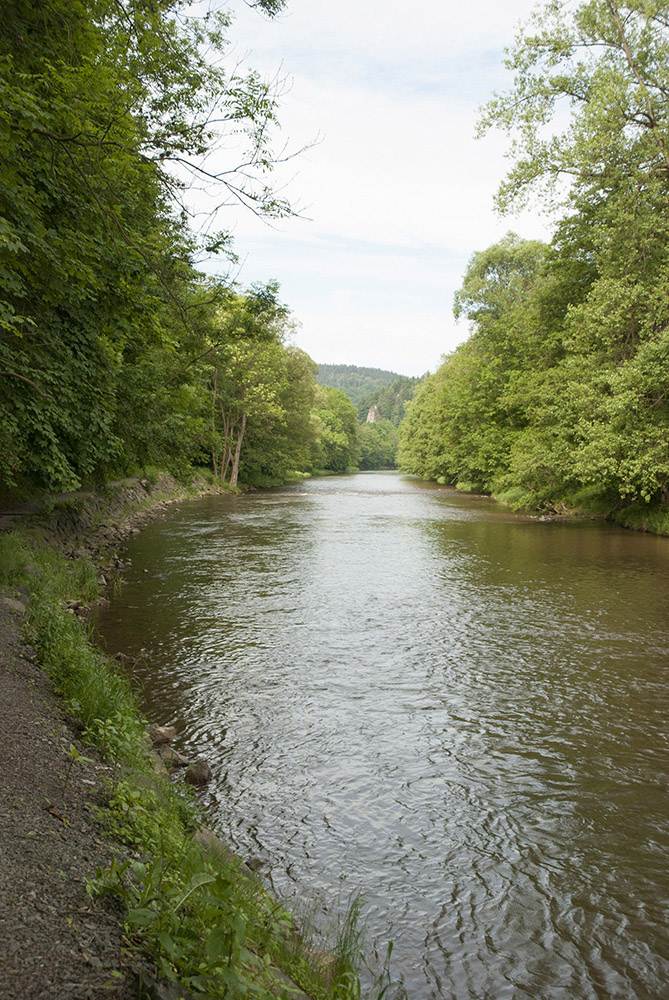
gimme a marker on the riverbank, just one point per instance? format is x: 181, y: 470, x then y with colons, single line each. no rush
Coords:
x: 584, y: 505
x: 79, y: 794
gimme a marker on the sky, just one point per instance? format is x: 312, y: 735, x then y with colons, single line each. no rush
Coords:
x: 396, y: 194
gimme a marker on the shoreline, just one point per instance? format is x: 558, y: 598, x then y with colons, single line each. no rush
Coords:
x: 631, y: 518
x: 80, y: 536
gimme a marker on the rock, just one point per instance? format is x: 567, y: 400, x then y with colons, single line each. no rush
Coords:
x: 172, y: 757
x: 134, y: 531
x: 102, y: 580
x: 158, y: 763
x: 73, y: 604
x: 125, y: 658
x: 161, y: 734
x: 156, y: 989
x: 14, y: 605
x: 81, y: 553
x: 215, y: 845
x: 198, y: 773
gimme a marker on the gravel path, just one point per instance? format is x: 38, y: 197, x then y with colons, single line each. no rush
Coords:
x: 55, y: 943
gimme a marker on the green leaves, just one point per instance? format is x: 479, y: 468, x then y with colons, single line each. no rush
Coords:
x: 561, y: 393
x: 335, y: 423
x: 101, y: 309
x: 608, y: 62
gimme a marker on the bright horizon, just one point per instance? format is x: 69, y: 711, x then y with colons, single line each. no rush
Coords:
x: 397, y: 194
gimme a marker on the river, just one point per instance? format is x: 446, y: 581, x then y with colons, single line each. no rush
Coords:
x: 457, y: 710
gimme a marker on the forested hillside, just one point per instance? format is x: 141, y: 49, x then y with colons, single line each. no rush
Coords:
x: 560, y: 397
x: 390, y: 401
x: 356, y: 382
x: 115, y: 351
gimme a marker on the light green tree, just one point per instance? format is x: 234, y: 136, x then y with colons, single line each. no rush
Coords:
x: 335, y: 427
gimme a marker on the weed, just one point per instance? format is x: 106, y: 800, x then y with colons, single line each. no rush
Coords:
x: 208, y: 927
x: 75, y: 757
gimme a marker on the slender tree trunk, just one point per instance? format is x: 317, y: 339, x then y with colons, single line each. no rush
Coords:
x: 235, y: 464
x: 213, y: 425
x: 228, y: 431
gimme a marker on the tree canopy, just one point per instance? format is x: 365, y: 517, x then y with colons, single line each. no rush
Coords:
x: 561, y: 394
x: 103, y: 313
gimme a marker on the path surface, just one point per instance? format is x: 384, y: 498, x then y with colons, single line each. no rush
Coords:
x: 55, y: 943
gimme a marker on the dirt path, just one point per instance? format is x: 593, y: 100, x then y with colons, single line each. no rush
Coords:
x: 55, y: 943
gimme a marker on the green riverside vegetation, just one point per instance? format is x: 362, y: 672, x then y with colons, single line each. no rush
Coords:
x: 116, y: 352
x: 206, y: 926
x: 560, y: 396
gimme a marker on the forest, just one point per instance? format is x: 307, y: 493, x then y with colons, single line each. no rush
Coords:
x: 116, y: 352
x: 559, y: 398
x: 354, y: 380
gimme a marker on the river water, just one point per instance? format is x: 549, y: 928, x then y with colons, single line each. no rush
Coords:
x: 457, y: 710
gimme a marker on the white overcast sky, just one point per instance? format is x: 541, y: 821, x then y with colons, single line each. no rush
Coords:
x: 398, y: 193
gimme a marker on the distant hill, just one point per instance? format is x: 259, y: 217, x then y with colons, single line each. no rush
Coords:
x: 354, y: 381
x: 390, y: 400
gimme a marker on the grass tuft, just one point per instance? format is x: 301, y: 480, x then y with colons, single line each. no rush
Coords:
x: 214, y: 931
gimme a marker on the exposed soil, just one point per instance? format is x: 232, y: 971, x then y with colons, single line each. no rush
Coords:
x: 55, y: 942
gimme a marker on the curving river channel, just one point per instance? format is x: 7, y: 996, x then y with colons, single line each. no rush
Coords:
x: 458, y: 710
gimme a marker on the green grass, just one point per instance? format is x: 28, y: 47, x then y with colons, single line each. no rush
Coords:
x: 644, y: 518
x: 517, y: 498
x: 466, y: 487
x: 296, y: 476
x: 206, y: 926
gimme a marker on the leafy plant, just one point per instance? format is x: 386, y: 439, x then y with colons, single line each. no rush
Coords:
x: 74, y: 757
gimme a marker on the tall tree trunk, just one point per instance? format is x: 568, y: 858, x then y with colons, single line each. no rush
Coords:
x: 235, y: 464
x: 228, y: 431
x: 213, y: 426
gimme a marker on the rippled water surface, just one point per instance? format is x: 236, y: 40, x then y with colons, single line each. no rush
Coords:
x: 459, y: 710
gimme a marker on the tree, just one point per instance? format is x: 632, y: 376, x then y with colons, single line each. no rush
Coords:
x: 377, y: 445
x: 596, y: 402
x: 98, y: 293
x: 335, y: 425
x: 390, y: 400
x: 246, y: 365
x: 609, y: 62
x: 464, y: 420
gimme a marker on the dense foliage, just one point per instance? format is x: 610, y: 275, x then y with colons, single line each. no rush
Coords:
x: 355, y: 381
x: 377, y: 445
x: 114, y: 350
x: 390, y: 401
x: 335, y: 422
x: 561, y: 394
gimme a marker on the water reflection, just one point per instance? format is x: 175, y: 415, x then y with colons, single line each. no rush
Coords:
x: 459, y: 708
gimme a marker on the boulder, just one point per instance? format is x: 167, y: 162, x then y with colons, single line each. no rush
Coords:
x: 14, y: 605
x: 216, y: 846
x: 172, y: 757
x: 198, y: 773
x: 161, y: 734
